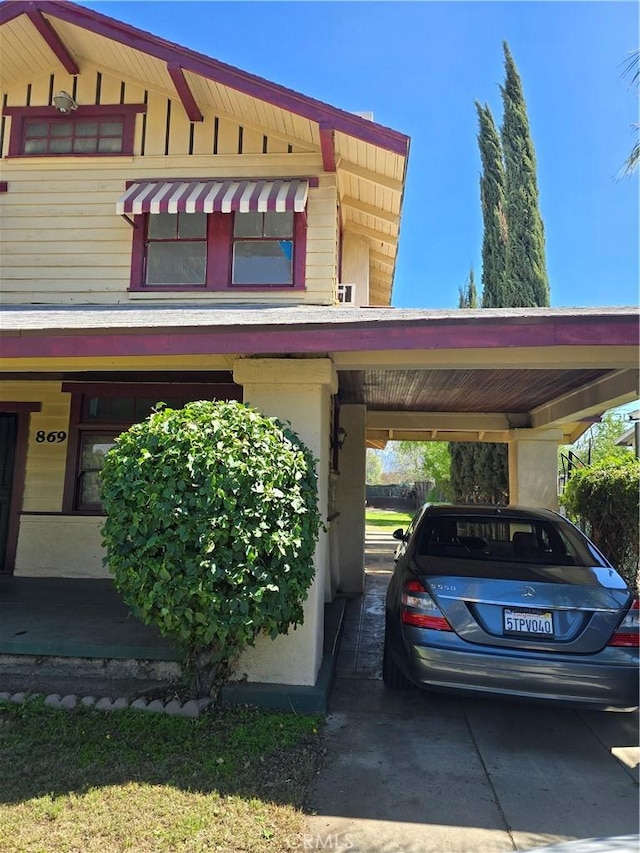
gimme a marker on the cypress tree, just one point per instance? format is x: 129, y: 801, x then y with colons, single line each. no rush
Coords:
x: 526, y: 269
x: 493, y: 203
x: 514, y: 270
x: 468, y: 295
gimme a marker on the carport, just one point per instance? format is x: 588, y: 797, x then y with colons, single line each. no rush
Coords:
x: 530, y: 378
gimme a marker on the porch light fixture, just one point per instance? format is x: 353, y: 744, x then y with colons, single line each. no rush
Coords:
x: 64, y: 103
x: 340, y: 437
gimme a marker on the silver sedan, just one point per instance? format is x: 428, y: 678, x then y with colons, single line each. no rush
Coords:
x: 512, y: 602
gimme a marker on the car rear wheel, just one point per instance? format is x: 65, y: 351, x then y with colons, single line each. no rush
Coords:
x: 391, y: 675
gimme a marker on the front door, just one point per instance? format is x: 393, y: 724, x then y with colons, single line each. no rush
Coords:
x: 8, y: 436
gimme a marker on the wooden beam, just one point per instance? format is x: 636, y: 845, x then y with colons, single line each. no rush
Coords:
x: 371, y: 233
x: 376, y: 435
x: 184, y: 92
x: 369, y: 176
x: 384, y: 260
x: 456, y: 421
x: 370, y: 210
x: 327, y: 146
x: 53, y: 40
x: 520, y: 358
x: 615, y: 389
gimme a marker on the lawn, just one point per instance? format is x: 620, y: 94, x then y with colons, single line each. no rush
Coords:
x: 235, y: 780
x: 387, y: 518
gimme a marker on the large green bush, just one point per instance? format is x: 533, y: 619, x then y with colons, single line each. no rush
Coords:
x: 211, y: 527
x: 604, y: 500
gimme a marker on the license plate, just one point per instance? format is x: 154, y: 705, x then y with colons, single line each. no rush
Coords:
x: 525, y: 621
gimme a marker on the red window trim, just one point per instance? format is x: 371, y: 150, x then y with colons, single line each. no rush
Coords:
x: 219, y: 258
x: 127, y: 112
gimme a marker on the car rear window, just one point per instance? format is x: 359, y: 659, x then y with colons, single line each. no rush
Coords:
x: 520, y: 540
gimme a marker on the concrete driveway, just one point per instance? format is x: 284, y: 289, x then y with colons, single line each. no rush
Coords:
x: 417, y: 772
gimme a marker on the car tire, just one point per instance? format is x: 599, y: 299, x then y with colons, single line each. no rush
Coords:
x: 391, y: 675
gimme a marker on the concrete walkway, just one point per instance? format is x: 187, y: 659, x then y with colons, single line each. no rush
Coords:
x: 419, y: 772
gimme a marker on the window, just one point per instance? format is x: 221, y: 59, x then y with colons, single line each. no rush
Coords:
x: 91, y: 131
x: 176, y: 249
x: 101, y: 412
x: 263, y: 248
x: 218, y: 251
x: 69, y: 136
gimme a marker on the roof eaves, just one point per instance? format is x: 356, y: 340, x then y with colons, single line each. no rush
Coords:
x: 227, y: 75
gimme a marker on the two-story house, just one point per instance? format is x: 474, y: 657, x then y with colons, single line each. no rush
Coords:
x: 175, y: 229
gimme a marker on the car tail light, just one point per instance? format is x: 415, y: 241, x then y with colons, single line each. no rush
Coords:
x: 628, y: 631
x: 420, y: 610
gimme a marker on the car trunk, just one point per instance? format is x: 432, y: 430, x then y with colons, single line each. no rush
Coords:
x: 568, y: 609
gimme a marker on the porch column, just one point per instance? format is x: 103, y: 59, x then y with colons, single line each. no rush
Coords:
x: 298, y: 391
x: 533, y: 467
x: 350, y: 499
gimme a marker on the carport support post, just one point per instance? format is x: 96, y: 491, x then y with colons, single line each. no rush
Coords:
x: 533, y: 467
x: 298, y: 391
x: 351, y: 496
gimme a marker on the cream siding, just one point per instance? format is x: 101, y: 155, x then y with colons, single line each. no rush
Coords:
x: 62, y: 241
x: 46, y: 462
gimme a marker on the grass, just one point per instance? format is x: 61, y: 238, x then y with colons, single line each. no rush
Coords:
x: 235, y: 780
x: 387, y: 518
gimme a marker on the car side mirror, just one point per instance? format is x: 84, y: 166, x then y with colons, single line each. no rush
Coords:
x: 398, y: 534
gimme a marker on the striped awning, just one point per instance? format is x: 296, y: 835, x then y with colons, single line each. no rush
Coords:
x: 213, y: 197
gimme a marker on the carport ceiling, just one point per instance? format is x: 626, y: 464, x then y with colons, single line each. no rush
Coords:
x: 460, y: 390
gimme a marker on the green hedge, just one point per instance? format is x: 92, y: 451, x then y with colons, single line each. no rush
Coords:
x: 212, y: 520
x: 604, y: 501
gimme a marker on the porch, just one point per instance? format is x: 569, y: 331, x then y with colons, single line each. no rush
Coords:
x: 76, y: 635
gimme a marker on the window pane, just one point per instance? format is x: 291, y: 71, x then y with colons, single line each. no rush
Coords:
x: 61, y: 129
x: 110, y: 145
x: 86, y: 128
x: 84, y: 145
x: 176, y: 263
x: 247, y: 225
x: 163, y: 226
x: 143, y: 408
x: 93, y: 448
x: 110, y: 128
x: 192, y: 225
x: 60, y: 146
x: 263, y: 262
x: 34, y: 129
x: 110, y: 409
x: 35, y: 146
x: 278, y: 224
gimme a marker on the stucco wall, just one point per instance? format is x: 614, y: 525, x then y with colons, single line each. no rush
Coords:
x: 60, y: 546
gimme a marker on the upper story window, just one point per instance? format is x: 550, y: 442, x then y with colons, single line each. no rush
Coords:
x: 176, y: 249
x: 200, y: 235
x: 96, y: 131
x: 73, y: 136
x: 262, y: 248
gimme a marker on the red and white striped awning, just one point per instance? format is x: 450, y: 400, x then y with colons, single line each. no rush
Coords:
x: 213, y: 197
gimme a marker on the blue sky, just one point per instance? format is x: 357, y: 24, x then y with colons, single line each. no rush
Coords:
x: 419, y: 67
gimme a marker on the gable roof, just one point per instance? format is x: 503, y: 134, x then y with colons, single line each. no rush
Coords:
x: 37, y: 36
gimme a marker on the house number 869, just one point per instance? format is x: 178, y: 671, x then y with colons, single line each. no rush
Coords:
x: 50, y: 437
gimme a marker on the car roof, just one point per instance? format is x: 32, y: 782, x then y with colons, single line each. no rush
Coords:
x: 493, y: 511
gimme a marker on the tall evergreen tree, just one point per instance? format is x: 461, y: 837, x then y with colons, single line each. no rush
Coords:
x: 493, y: 203
x: 526, y: 268
x: 513, y: 261
x: 468, y: 295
